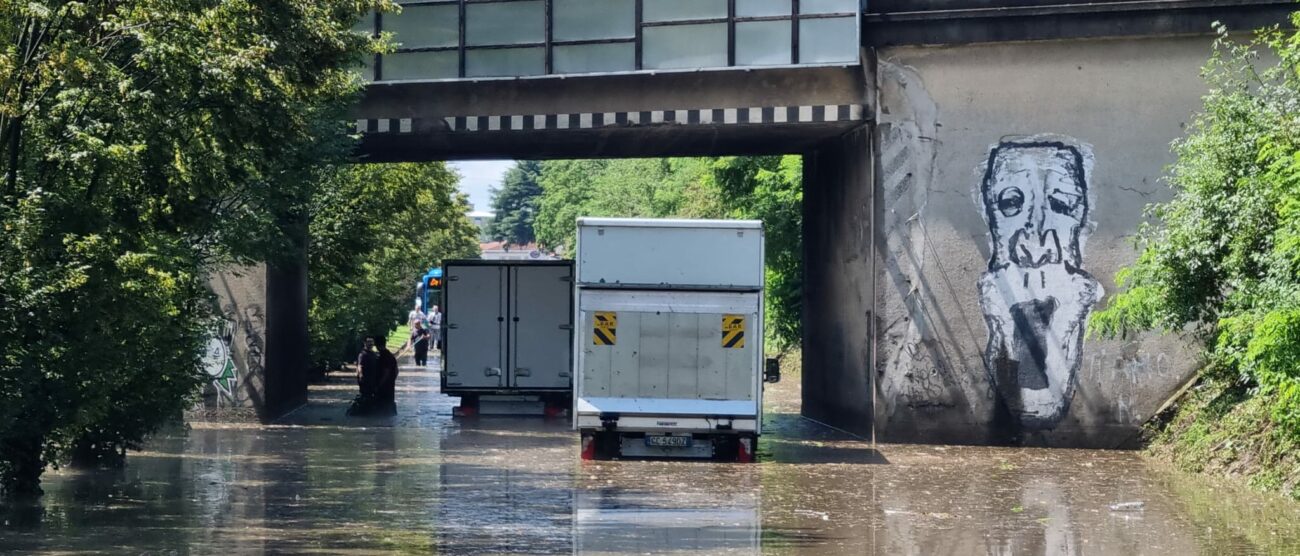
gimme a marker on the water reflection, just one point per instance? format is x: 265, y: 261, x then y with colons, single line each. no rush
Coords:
x: 423, y: 482
x: 614, y: 521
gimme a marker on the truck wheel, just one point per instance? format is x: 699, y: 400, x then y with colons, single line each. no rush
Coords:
x: 599, y: 445
x: 588, y: 446
x: 468, y: 407
x: 746, y: 449
x: 739, y: 449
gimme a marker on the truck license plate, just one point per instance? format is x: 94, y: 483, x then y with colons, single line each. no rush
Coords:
x: 668, y: 441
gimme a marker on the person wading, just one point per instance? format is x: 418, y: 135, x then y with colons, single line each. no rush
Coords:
x: 435, y: 328
x: 368, y: 379
x: 420, y: 341
x: 386, y: 395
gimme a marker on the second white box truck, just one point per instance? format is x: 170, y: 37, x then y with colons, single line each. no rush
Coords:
x: 670, y: 338
x: 509, y: 334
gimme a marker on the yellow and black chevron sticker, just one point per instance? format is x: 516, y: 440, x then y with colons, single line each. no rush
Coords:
x: 733, y: 331
x: 604, y: 331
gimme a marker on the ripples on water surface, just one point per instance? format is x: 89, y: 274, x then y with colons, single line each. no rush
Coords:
x: 423, y: 482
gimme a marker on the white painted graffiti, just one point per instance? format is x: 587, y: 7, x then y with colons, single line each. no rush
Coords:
x: 1035, y: 296
x: 219, y: 363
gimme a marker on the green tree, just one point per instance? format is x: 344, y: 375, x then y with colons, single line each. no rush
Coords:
x: 628, y: 188
x: 142, y: 143
x: 760, y: 188
x: 1222, y: 262
x: 515, y: 204
x: 770, y: 188
x: 375, y: 229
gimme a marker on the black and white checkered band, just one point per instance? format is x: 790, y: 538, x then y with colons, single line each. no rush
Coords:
x: 593, y: 120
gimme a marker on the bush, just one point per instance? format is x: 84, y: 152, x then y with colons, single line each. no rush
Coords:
x: 1222, y: 263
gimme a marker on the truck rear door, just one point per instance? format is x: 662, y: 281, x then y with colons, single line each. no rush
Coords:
x: 475, y: 315
x: 541, y: 326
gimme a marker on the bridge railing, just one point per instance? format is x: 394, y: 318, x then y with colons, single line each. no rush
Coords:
x: 460, y: 39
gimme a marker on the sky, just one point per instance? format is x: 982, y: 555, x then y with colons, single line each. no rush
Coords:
x: 478, y: 176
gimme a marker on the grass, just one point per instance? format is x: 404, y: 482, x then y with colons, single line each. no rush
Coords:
x: 398, y: 337
x: 1225, y: 429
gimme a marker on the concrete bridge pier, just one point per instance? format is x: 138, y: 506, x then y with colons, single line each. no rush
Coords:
x: 838, y: 290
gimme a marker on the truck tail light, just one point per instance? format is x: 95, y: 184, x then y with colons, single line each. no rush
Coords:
x: 588, y: 447
x: 745, y: 451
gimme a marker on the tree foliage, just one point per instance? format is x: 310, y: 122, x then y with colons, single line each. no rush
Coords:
x: 140, y: 144
x: 375, y: 229
x: 761, y: 188
x: 515, y: 204
x: 629, y: 188
x: 1223, y: 261
x: 770, y: 189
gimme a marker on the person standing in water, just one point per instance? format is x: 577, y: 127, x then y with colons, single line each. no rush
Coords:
x: 367, y: 378
x: 386, y: 396
x: 435, y: 327
x: 420, y: 341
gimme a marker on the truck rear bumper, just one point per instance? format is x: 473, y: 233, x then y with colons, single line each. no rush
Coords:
x: 713, y: 424
x: 667, y: 415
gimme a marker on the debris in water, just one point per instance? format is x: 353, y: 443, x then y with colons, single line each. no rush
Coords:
x: 1127, y: 507
x: 823, y: 515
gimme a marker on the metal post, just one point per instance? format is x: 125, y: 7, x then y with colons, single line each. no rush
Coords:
x: 379, y: 59
x: 794, y: 33
x: 638, y: 34
x: 550, y: 26
x: 461, y: 46
x: 731, y: 33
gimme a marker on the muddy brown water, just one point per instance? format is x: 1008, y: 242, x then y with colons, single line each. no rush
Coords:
x: 318, y: 482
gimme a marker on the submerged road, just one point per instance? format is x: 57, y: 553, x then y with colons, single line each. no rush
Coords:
x: 318, y: 482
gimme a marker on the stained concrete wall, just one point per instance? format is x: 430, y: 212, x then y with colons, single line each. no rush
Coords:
x: 234, y: 361
x: 1010, y: 180
x: 837, y: 283
x: 287, y: 337
x: 257, y: 360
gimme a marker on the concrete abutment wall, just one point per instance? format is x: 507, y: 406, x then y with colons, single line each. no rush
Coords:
x: 257, y: 361
x: 837, y: 301
x: 1008, y: 182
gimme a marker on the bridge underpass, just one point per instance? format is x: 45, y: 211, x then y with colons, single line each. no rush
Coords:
x: 913, y: 137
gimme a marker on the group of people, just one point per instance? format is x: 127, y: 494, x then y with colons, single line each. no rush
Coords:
x: 377, y: 366
x: 377, y: 377
x: 426, y: 330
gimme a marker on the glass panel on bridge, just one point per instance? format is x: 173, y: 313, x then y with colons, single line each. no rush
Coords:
x: 828, y: 6
x: 505, y: 62
x: 576, y: 20
x: 367, y: 69
x: 682, y: 10
x: 828, y: 40
x: 494, y: 23
x: 594, y: 58
x: 425, y: 26
x: 684, y: 46
x: 763, y: 43
x: 502, y: 38
x: 365, y: 25
x: 762, y: 8
x: 421, y: 65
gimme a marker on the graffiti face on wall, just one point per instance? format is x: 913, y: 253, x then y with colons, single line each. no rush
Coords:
x: 219, y: 363
x: 1036, y: 296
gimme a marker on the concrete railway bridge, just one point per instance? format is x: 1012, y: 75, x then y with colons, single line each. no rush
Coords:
x: 972, y: 171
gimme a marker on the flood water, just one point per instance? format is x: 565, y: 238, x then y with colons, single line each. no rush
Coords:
x: 319, y: 482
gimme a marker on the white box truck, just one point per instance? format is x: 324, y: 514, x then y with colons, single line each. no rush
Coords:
x: 670, y: 338
x: 508, y: 333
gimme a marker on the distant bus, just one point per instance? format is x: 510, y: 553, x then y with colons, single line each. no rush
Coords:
x: 429, y: 290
